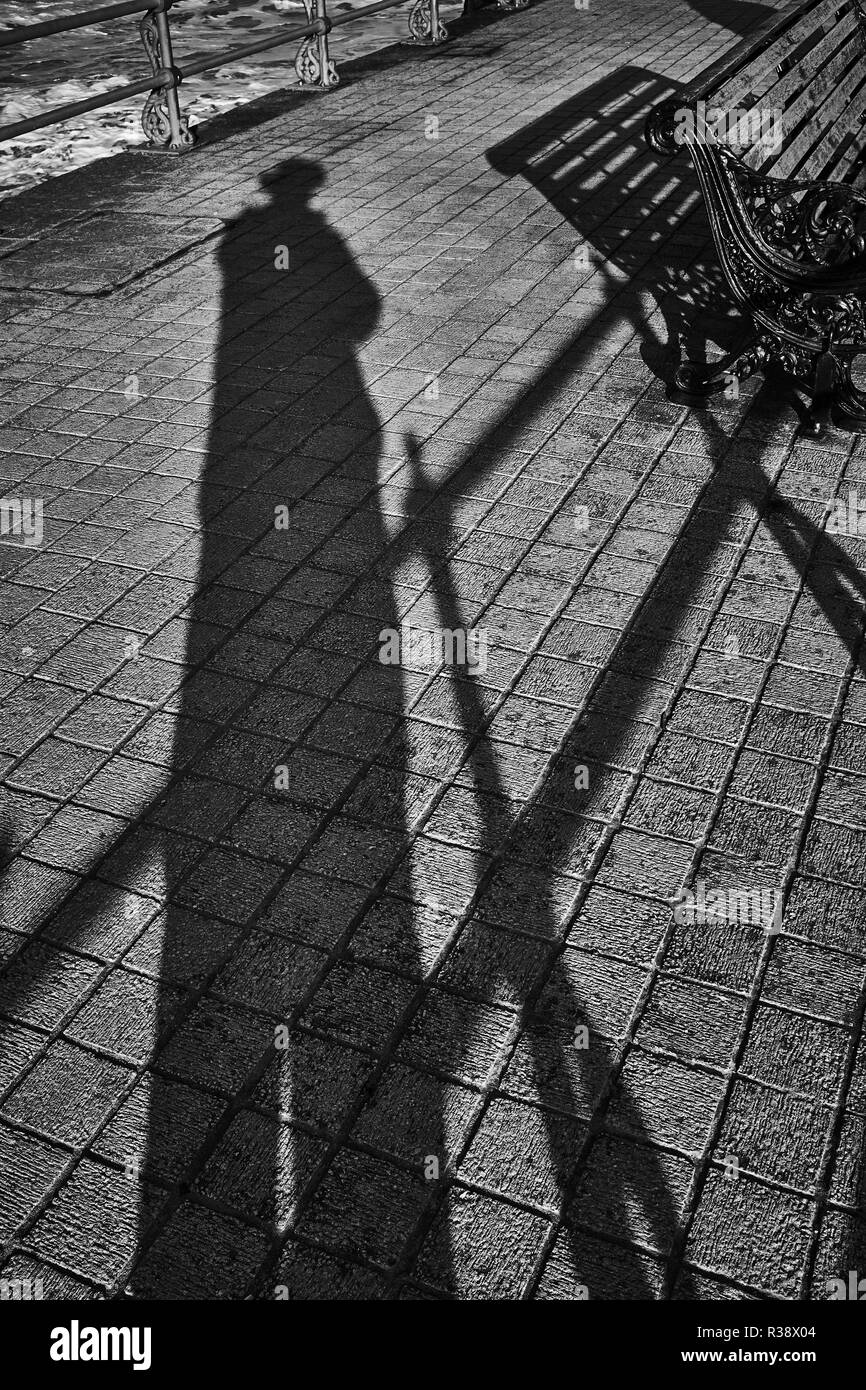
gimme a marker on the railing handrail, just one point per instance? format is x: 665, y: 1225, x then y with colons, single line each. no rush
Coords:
x: 166, y: 75
x: 317, y: 26
x: 64, y: 24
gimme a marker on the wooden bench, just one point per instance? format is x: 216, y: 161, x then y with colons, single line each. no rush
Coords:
x: 776, y: 132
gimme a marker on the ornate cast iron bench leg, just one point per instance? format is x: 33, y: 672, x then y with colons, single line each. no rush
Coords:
x: 824, y: 393
x: 699, y: 380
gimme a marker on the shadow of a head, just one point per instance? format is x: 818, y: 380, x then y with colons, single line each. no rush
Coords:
x: 302, y: 176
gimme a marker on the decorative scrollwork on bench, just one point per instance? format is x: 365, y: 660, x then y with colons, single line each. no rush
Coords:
x: 793, y: 250
x: 814, y: 235
x: 815, y: 224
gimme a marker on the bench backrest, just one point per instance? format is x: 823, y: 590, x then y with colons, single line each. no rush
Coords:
x: 791, y: 98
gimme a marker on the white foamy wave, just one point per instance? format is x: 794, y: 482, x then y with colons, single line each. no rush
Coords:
x: 36, y: 77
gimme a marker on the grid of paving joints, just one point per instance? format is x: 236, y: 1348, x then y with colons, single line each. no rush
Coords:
x: 429, y: 907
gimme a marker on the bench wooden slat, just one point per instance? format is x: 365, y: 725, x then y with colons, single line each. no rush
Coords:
x: 757, y: 58
x: 761, y: 78
x: 840, y: 150
x: 798, y: 97
x: 808, y: 154
x: 788, y: 91
x: 806, y: 122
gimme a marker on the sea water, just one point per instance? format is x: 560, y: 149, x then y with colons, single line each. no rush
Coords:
x: 70, y: 67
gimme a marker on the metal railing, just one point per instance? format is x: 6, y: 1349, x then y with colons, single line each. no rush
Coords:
x: 162, y: 119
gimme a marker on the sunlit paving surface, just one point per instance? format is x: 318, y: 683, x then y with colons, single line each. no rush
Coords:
x: 433, y: 748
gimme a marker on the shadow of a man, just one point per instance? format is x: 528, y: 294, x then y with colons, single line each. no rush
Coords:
x: 243, y: 1108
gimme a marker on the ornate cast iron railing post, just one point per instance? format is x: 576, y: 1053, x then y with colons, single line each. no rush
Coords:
x: 162, y: 120
x: 313, y: 64
x: 425, y: 25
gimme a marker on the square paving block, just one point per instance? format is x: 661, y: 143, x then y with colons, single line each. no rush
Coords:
x: 456, y: 1036
x: 99, y: 920
x: 583, y: 1266
x: 620, y: 924
x: 126, y: 1015
x: 365, y: 1209
x: 523, y: 1153
x: 829, y: 914
x: 317, y: 910
x: 716, y: 953
x: 526, y: 899
x: 217, y: 1045
x: 752, y: 1233
x: 805, y: 977
x: 363, y: 1006
x: 692, y: 1022
x: 774, y: 1134
x: 200, y: 1254
x: 41, y: 984
x: 550, y: 1069
x: 481, y: 1248
x: 229, y: 885
x: 308, y: 1275
x: 92, y: 1224
x: 665, y: 1102
x: 493, y: 964
x: 414, y: 1116
x: 182, y: 948
x: 797, y: 1053
x: 592, y: 991
x: 161, y: 1126
x: 28, y: 1171
x: 315, y: 1081
x: 260, y: 1168
x: 645, y: 864
x: 68, y: 1093
x: 633, y: 1192
x: 402, y: 935
x: 269, y: 973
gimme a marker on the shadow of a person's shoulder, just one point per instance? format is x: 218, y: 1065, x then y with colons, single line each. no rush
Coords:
x: 282, y: 251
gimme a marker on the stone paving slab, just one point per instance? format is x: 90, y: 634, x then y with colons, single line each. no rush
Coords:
x: 332, y: 978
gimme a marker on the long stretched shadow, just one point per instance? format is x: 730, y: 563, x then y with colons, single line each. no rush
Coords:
x: 236, y: 1118
x: 280, y: 336
x: 212, y: 959
x: 569, y: 156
